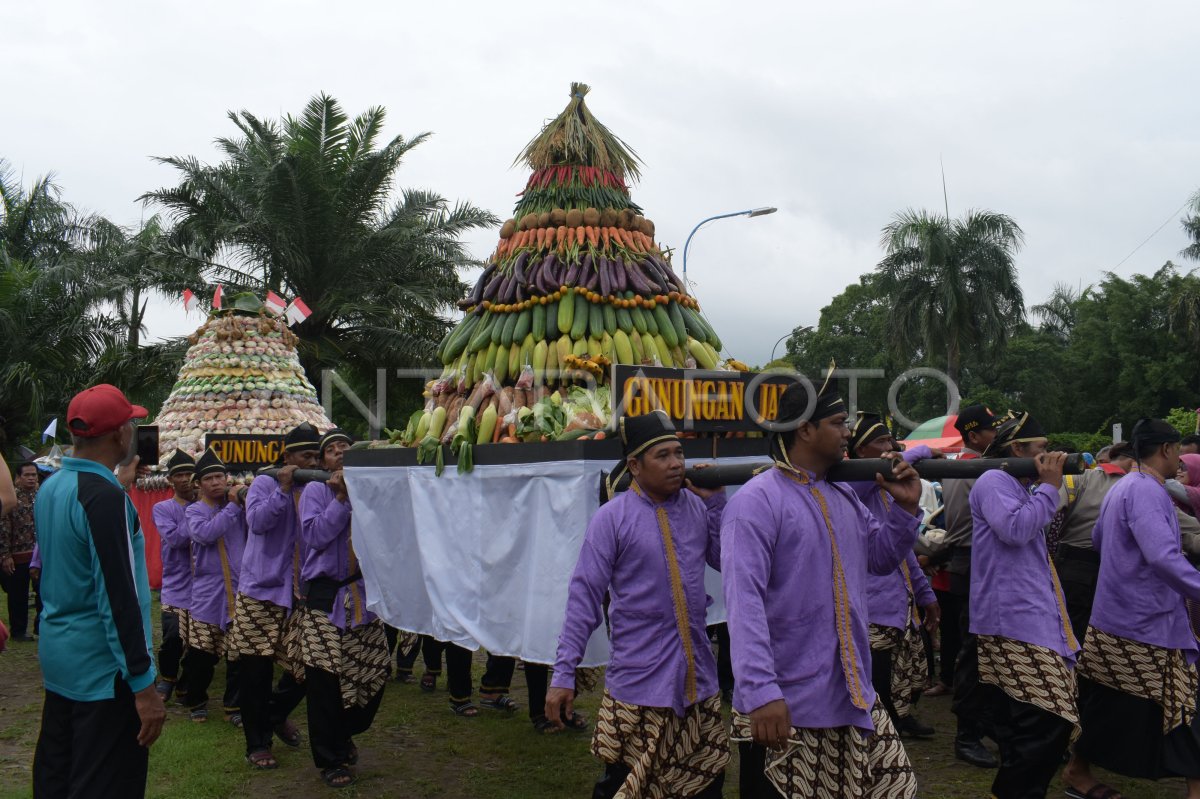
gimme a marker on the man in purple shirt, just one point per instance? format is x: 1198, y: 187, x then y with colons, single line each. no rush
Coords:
x: 659, y: 731
x: 795, y: 554
x: 269, y: 578
x: 1026, y: 647
x: 217, y: 526
x: 342, y: 645
x: 1139, y: 656
x: 898, y: 669
x: 176, y: 592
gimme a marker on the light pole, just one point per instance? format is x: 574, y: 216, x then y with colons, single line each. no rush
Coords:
x: 805, y: 329
x: 750, y: 214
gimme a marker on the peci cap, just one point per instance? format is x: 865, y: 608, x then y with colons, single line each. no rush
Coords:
x: 975, y: 417
x: 101, y: 409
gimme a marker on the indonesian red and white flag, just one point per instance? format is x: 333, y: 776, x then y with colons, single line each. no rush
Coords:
x: 217, y: 298
x: 297, y: 312
x: 190, y: 301
x: 275, y: 304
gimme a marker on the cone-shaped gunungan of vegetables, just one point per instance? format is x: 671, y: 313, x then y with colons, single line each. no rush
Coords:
x: 577, y: 282
x: 240, y: 375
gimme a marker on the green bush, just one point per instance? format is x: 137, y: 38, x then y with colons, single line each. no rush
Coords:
x: 1081, y: 442
x: 1183, y: 420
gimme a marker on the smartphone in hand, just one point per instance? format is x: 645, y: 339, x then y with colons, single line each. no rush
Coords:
x: 147, y: 444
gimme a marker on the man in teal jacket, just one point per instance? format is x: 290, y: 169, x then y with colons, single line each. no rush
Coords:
x: 101, y: 712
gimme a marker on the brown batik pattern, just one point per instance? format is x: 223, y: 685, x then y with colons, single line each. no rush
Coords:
x: 206, y: 637
x: 1029, y: 673
x: 1161, y: 675
x: 358, y: 656
x: 908, y: 663
x: 838, y: 762
x: 667, y: 756
x: 259, y: 628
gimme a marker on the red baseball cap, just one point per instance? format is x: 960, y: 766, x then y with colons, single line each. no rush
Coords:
x: 99, y: 410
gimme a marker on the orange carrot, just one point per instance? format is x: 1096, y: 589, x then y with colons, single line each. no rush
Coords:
x: 498, y: 431
x: 599, y: 435
x: 570, y: 237
x: 604, y: 236
x: 580, y: 236
x: 593, y: 237
x: 562, y: 235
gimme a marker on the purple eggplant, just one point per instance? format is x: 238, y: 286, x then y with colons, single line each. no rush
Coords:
x: 502, y: 290
x: 521, y: 295
x: 519, y: 266
x: 616, y: 273
x: 669, y: 273
x: 656, y: 277
x: 549, y: 267
x: 588, y: 263
x: 602, y: 270
x: 573, y: 274
x: 637, y: 280
x: 591, y: 280
x: 476, y: 296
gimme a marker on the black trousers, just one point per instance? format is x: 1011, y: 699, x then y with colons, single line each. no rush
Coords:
x: 16, y: 585
x: 615, y: 774
x: 1078, y: 572
x: 170, y: 651
x: 458, y: 666
x: 881, y: 678
x: 497, y: 679
x: 331, y: 727
x: 971, y: 704
x: 752, y: 781
x: 89, y: 750
x: 264, y: 707
x: 1032, y: 743
x: 949, y: 634
x: 724, y: 659
x: 199, y: 667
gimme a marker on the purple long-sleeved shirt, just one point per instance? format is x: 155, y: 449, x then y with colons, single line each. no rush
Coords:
x: 778, y: 569
x: 214, y: 583
x: 272, y: 558
x: 1014, y: 594
x: 1144, y: 578
x: 624, y: 553
x: 887, y: 594
x: 325, y: 531
x: 169, y: 518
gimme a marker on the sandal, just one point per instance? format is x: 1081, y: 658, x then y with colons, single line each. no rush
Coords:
x: 542, y: 724
x: 465, y: 708
x: 1098, y: 791
x: 199, y: 715
x: 289, y: 733
x: 499, y: 702
x: 428, y: 682
x: 405, y: 678
x: 262, y: 760
x: 577, y: 723
x: 234, y: 718
x: 339, y: 777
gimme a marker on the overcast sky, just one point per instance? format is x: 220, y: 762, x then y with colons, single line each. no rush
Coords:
x: 1077, y: 119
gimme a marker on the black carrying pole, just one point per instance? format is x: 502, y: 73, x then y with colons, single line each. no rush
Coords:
x: 861, y: 470
x: 300, y: 475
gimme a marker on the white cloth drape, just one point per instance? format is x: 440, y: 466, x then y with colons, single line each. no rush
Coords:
x: 482, y: 559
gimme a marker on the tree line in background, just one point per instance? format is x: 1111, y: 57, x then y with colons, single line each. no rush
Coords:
x: 946, y: 296
x: 305, y: 206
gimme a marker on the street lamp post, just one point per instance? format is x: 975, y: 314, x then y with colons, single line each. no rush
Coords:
x: 749, y: 214
x: 805, y: 329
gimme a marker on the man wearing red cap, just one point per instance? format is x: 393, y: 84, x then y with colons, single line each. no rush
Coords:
x: 101, y: 711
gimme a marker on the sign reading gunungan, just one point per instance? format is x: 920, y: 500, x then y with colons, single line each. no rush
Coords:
x: 700, y: 400
x: 245, y: 453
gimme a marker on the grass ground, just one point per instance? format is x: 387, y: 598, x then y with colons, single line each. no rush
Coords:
x: 417, y: 748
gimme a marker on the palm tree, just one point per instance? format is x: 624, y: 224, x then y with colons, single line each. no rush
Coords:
x: 302, y: 207
x: 952, y: 284
x: 129, y: 265
x: 1057, y: 313
x: 1191, y: 226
